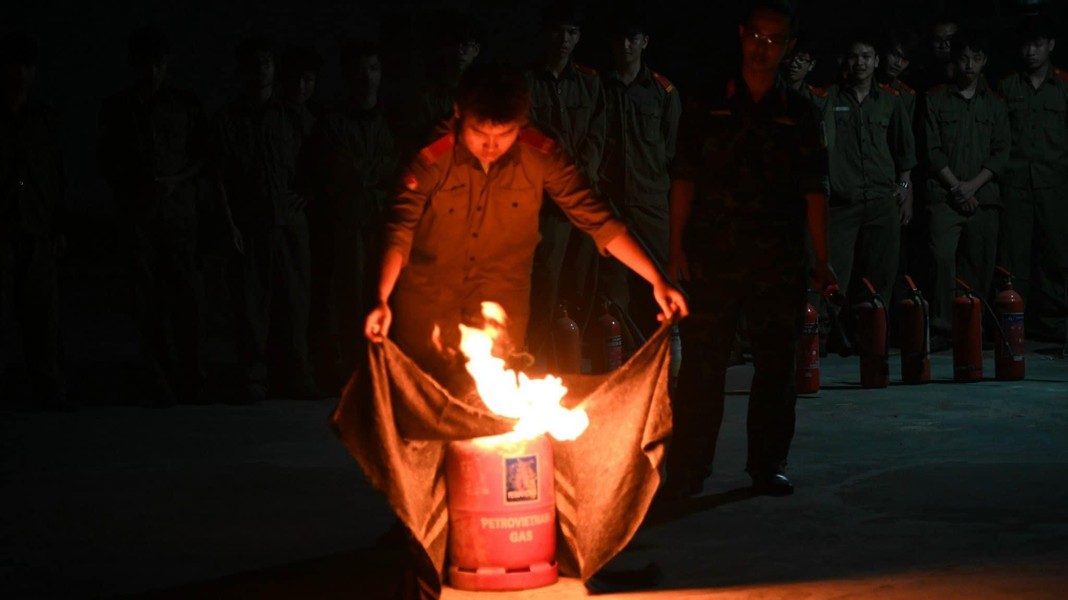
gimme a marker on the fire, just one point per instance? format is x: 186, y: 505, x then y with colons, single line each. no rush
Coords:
x: 534, y: 402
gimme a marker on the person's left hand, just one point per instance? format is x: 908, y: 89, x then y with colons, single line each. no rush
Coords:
x: 964, y: 190
x: 904, y: 204
x: 671, y: 300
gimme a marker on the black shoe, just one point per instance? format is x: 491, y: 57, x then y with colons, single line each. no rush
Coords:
x: 772, y: 484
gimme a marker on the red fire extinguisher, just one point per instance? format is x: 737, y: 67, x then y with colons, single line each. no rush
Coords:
x: 967, y: 335
x: 608, y: 343
x: 567, y: 344
x: 871, y: 340
x: 915, y: 320
x: 807, y: 376
x: 1009, y: 335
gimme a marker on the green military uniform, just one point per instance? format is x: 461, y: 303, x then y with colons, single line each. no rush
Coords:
x: 352, y: 158
x: 907, y: 95
x: 752, y: 165
x: 816, y: 95
x: 256, y: 158
x: 1034, y: 190
x: 468, y: 236
x: 141, y: 140
x: 572, y: 108
x: 869, y: 142
x: 32, y: 188
x: 643, y: 127
x: 966, y: 135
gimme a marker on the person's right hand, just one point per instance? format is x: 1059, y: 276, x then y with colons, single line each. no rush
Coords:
x: 678, y: 266
x: 969, y: 205
x: 376, y: 327
x: 239, y: 241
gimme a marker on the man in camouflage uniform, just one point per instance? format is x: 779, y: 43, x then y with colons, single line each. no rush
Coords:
x: 351, y: 156
x: 152, y: 144
x: 967, y: 147
x: 463, y: 226
x: 751, y: 172
x: 567, y: 101
x: 872, y: 153
x: 1034, y: 187
x: 643, y: 110
x: 32, y: 189
x: 256, y: 143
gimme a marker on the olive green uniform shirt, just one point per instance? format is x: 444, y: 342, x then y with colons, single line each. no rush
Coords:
x: 255, y: 151
x: 572, y: 108
x: 869, y: 143
x: 966, y: 135
x: 1038, y: 119
x: 643, y: 126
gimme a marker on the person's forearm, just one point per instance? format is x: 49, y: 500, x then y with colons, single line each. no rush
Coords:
x: 629, y: 252
x: 983, y: 178
x: 816, y: 211
x: 392, y: 262
x: 947, y: 178
x: 679, y: 206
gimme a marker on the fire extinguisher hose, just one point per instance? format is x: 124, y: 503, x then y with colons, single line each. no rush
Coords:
x: 993, y: 315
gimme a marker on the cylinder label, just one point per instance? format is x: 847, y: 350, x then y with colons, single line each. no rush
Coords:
x: 521, y: 479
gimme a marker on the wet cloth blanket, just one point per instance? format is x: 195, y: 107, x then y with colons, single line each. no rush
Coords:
x: 396, y: 421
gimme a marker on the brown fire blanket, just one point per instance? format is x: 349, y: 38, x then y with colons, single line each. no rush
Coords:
x: 396, y: 421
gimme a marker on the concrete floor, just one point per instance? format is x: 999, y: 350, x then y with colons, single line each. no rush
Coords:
x: 939, y: 491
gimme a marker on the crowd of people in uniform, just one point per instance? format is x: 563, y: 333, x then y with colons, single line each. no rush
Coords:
x: 746, y: 193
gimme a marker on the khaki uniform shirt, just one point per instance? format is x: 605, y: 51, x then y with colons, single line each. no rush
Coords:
x: 255, y: 152
x: 572, y: 108
x: 351, y: 158
x: 141, y: 140
x: 643, y: 126
x: 32, y: 180
x: 868, y: 142
x: 464, y: 231
x: 966, y: 135
x: 1038, y: 119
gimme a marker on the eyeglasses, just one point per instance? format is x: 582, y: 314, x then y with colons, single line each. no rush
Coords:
x: 771, y: 40
x: 801, y: 59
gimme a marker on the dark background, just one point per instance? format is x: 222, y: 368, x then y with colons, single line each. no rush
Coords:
x: 83, y: 44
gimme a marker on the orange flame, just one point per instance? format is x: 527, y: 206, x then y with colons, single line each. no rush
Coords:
x: 534, y: 402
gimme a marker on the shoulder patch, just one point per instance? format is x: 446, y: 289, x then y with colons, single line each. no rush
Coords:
x: 936, y: 89
x: 584, y: 69
x: 818, y: 91
x: 1061, y: 75
x: 537, y: 140
x: 437, y: 148
x: 906, y: 88
x: 889, y: 89
x: 663, y: 81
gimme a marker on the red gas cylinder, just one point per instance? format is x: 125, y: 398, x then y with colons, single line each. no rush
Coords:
x: 502, y: 513
x: 967, y: 335
x: 871, y: 340
x: 915, y: 320
x: 1008, y: 348
x: 807, y: 377
x: 567, y: 344
x: 608, y: 345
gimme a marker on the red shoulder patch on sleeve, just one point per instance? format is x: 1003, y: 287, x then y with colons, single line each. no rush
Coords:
x: 437, y: 148
x: 888, y: 89
x: 537, y: 140
x: 663, y: 81
x: 818, y: 91
x: 1061, y: 75
x: 584, y: 69
x: 906, y: 88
